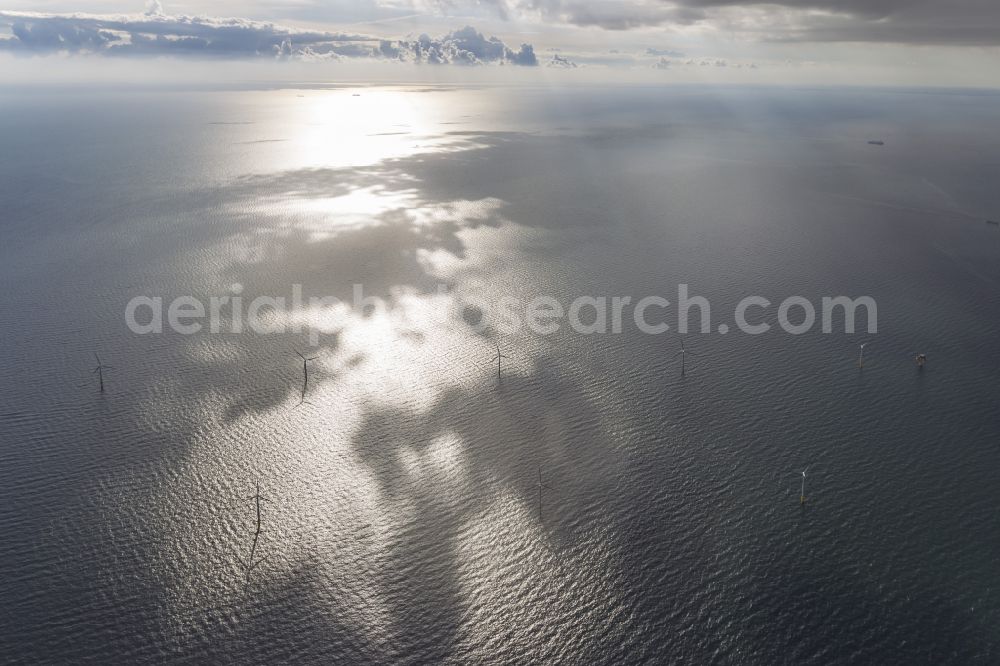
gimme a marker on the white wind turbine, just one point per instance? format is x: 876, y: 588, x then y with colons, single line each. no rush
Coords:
x: 305, y: 371
x: 683, y: 353
x: 101, y: 367
x: 498, y: 358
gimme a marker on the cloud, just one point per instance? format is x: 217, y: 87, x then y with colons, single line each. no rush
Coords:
x: 668, y: 53
x: 939, y: 22
x: 153, y: 34
x: 908, y: 27
x: 613, y: 14
x: 870, y: 8
x: 951, y: 22
x: 560, y: 62
x: 157, y: 34
x: 464, y: 47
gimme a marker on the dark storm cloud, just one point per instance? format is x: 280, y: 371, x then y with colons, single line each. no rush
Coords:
x: 959, y: 22
x: 155, y: 34
x: 869, y: 8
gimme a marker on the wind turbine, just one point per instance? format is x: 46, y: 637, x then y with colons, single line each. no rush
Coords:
x: 250, y: 564
x: 305, y: 372
x: 802, y: 493
x: 861, y: 356
x: 497, y: 359
x: 100, y: 370
x: 540, y: 486
x: 683, y: 354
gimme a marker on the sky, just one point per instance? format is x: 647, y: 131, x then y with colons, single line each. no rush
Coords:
x: 876, y: 42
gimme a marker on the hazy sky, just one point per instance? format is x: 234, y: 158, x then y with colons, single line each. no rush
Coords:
x: 906, y: 42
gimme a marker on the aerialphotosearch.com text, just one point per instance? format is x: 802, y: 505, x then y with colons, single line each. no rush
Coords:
x: 234, y: 313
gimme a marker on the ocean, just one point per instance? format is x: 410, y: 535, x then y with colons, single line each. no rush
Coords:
x: 593, y: 505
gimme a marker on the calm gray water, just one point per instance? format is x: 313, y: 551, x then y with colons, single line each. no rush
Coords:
x: 403, y: 524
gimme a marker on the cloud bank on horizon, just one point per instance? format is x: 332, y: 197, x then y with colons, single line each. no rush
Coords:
x: 945, y: 40
x: 158, y: 34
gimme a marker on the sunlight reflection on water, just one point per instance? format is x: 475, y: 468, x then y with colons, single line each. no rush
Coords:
x: 358, y: 127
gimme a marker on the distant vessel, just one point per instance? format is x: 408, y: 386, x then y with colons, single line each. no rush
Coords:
x: 993, y: 222
x: 876, y: 143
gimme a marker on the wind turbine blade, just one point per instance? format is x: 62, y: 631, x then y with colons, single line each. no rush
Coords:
x: 258, y: 563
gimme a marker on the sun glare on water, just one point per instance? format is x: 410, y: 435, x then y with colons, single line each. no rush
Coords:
x: 359, y: 128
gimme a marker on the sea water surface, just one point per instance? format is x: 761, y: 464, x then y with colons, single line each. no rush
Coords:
x: 402, y: 521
